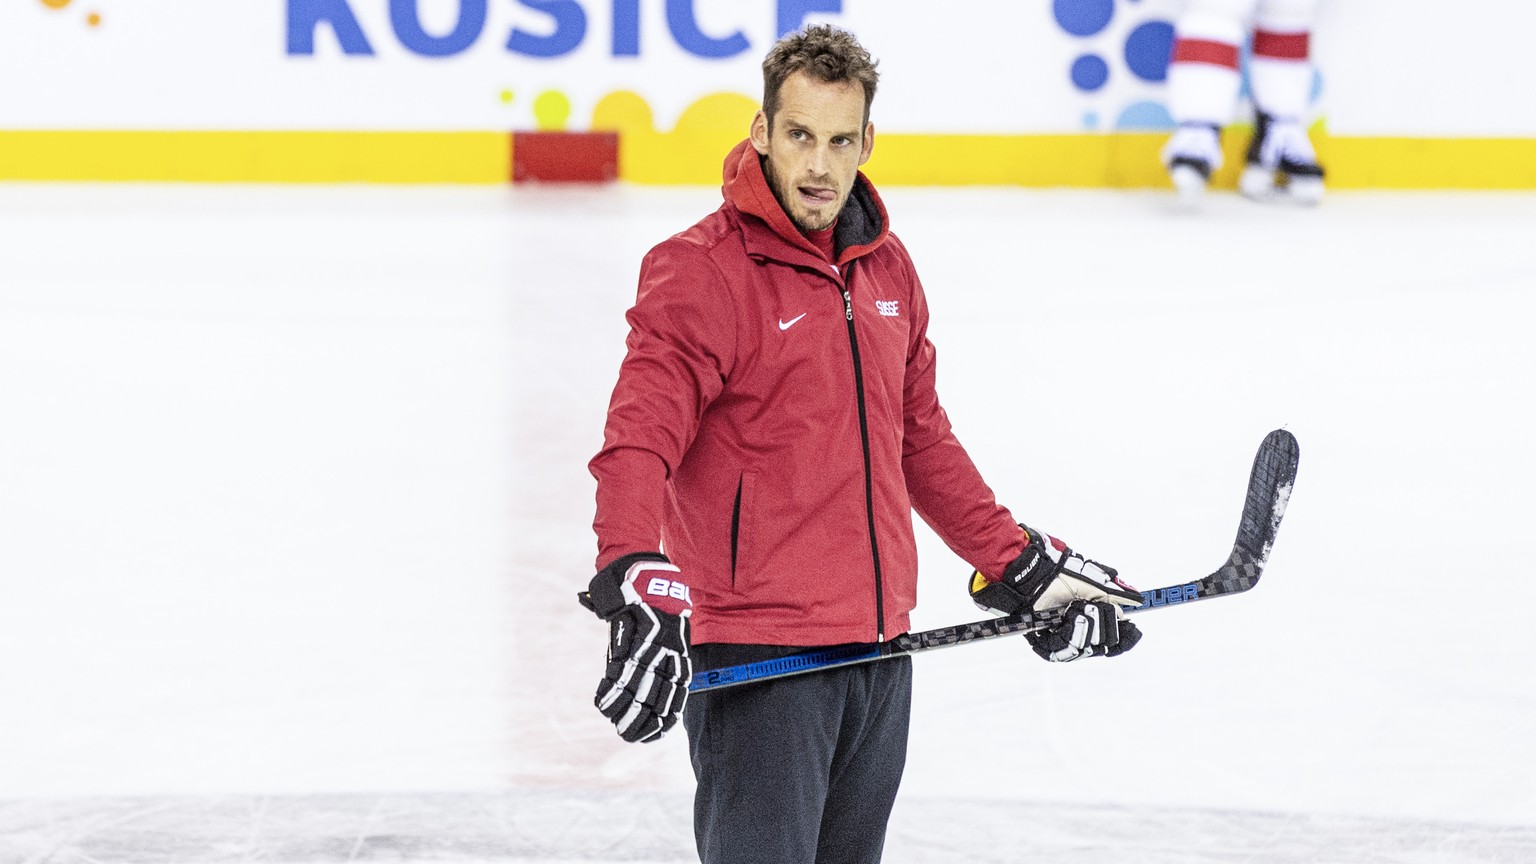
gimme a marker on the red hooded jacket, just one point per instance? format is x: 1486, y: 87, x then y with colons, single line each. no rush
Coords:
x: 775, y: 424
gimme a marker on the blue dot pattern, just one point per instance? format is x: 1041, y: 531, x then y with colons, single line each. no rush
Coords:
x: 1144, y: 117
x: 1089, y: 72
x: 1147, y: 50
x: 1083, y: 17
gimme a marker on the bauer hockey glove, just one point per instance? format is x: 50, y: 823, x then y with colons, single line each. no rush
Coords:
x: 646, y: 605
x: 1049, y: 575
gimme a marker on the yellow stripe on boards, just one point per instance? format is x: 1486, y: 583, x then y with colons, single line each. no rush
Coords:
x: 1078, y: 160
x: 1429, y: 163
x: 692, y: 154
x: 257, y: 157
x: 1132, y: 160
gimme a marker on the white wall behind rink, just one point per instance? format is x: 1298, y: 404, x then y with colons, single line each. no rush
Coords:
x: 1390, y: 67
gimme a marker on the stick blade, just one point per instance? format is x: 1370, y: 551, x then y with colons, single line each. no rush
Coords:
x: 1269, y: 490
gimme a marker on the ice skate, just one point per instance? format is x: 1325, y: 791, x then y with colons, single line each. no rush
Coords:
x: 1191, y: 155
x: 1282, y: 166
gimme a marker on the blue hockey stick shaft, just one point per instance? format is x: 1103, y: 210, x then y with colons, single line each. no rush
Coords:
x: 1269, y: 490
x: 910, y: 643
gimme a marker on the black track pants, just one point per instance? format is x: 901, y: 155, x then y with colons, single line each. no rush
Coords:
x: 801, y: 770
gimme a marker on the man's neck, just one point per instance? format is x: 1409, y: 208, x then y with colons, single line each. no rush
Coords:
x: 824, y: 241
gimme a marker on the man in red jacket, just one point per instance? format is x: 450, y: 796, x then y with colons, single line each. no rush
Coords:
x: 774, y: 425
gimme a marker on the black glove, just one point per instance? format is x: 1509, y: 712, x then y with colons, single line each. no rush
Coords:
x: 1049, y: 575
x: 1091, y: 628
x: 646, y: 605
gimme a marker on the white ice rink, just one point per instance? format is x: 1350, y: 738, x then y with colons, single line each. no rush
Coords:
x: 294, y: 507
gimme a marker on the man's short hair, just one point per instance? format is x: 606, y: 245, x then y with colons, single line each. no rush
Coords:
x: 824, y: 52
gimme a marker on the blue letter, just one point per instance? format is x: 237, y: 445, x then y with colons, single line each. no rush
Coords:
x: 403, y: 14
x: 305, y: 15
x: 626, y: 28
x: 792, y: 12
x: 685, y: 29
x: 570, y: 27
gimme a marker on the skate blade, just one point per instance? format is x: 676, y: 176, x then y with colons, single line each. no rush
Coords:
x: 1189, y: 183
x: 1256, y: 183
x: 1267, y: 186
x: 1304, y: 190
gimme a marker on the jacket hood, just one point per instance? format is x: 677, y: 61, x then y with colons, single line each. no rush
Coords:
x: 862, y: 225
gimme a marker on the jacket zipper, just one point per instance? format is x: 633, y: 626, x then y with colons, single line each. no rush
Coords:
x: 869, y: 487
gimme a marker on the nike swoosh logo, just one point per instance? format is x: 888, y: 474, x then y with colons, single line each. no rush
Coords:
x: 785, y: 325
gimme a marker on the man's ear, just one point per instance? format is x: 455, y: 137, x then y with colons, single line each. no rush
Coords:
x: 759, y: 133
x: 869, y: 143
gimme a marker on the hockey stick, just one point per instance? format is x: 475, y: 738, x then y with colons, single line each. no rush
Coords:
x: 1269, y: 489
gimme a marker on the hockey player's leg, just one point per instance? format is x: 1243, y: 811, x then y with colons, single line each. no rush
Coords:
x: 1281, y: 162
x: 1191, y: 155
x: 1203, y: 83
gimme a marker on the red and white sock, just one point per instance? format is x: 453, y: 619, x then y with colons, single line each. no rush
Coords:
x: 1281, y: 72
x: 1202, y: 75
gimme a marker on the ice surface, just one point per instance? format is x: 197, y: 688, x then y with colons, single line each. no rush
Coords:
x: 293, y: 507
x: 512, y: 827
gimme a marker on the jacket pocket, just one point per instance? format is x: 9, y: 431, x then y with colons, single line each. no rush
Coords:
x: 741, y: 529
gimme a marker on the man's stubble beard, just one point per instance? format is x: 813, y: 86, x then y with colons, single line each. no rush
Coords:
x: 780, y: 193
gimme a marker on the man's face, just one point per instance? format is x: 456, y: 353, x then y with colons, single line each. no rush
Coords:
x: 818, y: 141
